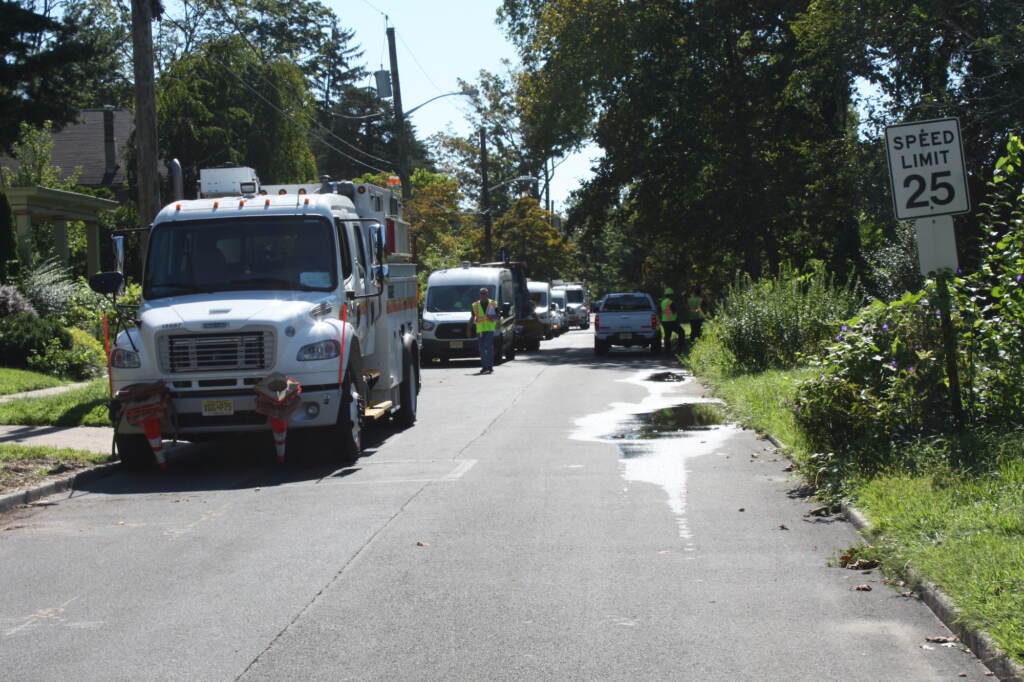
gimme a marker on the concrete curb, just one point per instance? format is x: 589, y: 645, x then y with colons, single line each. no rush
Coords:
x: 978, y: 641
x: 12, y: 500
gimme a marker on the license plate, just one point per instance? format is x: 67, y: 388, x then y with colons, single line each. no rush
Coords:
x: 625, y: 335
x: 455, y: 344
x: 218, y: 408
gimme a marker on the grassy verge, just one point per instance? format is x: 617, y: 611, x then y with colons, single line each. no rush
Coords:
x: 23, y: 466
x: 960, y: 527
x: 18, y: 380
x: 86, y: 406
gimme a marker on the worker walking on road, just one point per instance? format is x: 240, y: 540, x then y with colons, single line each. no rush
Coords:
x: 485, y: 315
x: 670, y: 322
x: 695, y: 312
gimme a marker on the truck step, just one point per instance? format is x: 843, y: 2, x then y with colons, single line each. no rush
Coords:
x: 378, y: 410
x: 371, y: 377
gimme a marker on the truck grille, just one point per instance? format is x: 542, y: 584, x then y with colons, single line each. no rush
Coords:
x: 216, y: 352
x: 455, y: 330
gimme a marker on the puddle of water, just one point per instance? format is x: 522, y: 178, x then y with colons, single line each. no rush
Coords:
x: 675, y: 377
x: 656, y: 436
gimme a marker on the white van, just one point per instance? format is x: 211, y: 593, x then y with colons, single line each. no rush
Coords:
x: 540, y: 294
x: 577, y: 303
x: 447, y: 327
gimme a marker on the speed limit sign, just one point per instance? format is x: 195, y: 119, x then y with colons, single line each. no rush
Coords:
x: 926, y: 169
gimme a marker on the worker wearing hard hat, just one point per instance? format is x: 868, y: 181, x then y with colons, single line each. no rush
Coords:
x: 670, y: 322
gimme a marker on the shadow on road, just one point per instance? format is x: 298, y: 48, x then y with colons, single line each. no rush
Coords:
x: 237, y: 462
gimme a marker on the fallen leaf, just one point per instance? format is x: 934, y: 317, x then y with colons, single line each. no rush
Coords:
x: 420, y: 543
x: 942, y: 639
x: 819, y: 511
x: 120, y: 523
x: 789, y: 467
x: 861, y: 588
x: 863, y: 564
x: 905, y: 594
x: 782, y: 526
x: 754, y: 454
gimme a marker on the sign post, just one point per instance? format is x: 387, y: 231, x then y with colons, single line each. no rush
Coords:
x: 929, y: 186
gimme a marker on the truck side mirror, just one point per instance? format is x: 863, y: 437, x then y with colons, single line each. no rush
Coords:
x: 117, y: 241
x: 107, y: 283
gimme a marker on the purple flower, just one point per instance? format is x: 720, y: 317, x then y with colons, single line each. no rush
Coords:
x: 839, y: 337
x: 885, y: 327
x: 845, y: 329
x: 893, y: 363
x: 910, y: 369
x: 1019, y: 277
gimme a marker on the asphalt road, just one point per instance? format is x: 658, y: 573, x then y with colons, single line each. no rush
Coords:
x: 525, y: 528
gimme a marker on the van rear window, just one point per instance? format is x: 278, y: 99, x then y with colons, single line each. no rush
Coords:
x: 574, y: 295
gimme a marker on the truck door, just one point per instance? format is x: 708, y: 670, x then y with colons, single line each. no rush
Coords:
x: 367, y: 305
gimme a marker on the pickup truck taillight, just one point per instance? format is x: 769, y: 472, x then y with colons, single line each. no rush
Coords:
x: 654, y: 322
x: 597, y: 321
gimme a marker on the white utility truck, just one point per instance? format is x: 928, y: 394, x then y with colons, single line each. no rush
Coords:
x: 268, y: 308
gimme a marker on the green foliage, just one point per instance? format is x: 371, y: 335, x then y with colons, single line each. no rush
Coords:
x: 49, y: 287
x: 25, y: 335
x: 83, y: 360
x: 8, y: 238
x: 33, y: 152
x: 526, y: 229
x: 774, y: 321
x: 85, y: 309
x: 891, y: 267
x: 12, y: 302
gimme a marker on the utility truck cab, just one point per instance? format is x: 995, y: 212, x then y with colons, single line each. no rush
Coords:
x: 286, y: 307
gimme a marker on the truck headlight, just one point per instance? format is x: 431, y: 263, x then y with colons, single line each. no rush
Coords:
x: 124, y: 359
x: 321, y: 350
x: 427, y: 325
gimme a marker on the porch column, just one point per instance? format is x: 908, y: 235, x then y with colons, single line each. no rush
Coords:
x: 23, y: 221
x: 60, y: 238
x: 92, y: 247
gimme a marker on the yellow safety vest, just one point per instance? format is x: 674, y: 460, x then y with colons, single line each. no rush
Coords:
x: 480, y: 317
x: 666, y: 310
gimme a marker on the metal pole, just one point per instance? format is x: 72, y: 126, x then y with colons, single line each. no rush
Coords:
x: 400, y: 132
x: 485, y: 199
x: 145, y: 119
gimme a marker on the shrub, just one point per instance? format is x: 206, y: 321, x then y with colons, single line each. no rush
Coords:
x: 49, y: 287
x: 772, y: 322
x: 13, y: 302
x: 24, y: 335
x: 85, y: 309
x: 83, y: 360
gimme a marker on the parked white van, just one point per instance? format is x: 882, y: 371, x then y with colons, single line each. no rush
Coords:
x: 447, y: 326
x: 540, y: 294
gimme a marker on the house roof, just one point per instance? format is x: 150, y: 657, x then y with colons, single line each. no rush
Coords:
x: 83, y: 143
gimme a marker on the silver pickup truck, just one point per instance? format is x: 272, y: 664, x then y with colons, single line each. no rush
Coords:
x: 626, y: 319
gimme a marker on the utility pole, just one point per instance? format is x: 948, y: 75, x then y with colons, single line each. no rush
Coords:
x: 145, y: 120
x: 400, y: 133
x: 485, y: 199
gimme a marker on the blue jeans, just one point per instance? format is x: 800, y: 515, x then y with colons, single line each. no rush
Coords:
x: 486, y: 340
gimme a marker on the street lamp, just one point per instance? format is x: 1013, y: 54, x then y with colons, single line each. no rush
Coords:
x: 485, y: 203
x: 400, y: 133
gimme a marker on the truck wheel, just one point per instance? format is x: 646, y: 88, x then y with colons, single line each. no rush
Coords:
x: 533, y: 345
x: 406, y: 415
x: 600, y: 347
x: 510, y: 354
x: 585, y: 325
x: 350, y: 419
x: 134, y: 451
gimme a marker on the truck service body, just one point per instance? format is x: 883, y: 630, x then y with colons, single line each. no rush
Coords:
x: 311, y: 282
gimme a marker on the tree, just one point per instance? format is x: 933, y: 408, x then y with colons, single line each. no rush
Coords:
x: 45, y: 64
x: 526, y: 229
x: 213, y: 108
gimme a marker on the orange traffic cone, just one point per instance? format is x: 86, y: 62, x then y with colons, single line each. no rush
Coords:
x: 280, y: 429
x: 152, y: 429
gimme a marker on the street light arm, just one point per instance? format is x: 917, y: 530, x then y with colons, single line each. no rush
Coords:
x: 469, y: 93
x: 506, y: 182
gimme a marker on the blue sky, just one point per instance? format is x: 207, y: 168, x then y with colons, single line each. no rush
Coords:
x: 438, y: 43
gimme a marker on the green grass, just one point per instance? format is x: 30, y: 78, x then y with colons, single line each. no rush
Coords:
x: 18, y: 380
x: 86, y: 406
x: 26, y: 465
x: 954, y: 511
x: 963, y: 533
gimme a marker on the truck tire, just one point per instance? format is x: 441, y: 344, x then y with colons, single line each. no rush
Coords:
x: 585, y: 325
x: 406, y: 415
x: 600, y: 347
x: 533, y: 345
x: 134, y: 451
x: 510, y: 353
x: 350, y: 419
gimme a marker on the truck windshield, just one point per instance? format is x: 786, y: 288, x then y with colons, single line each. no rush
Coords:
x: 574, y: 295
x: 453, y: 298
x: 294, y: 253
x: 540, y: 298
x: 626, y: 304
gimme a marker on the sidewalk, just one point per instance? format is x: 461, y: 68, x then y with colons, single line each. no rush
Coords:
x: 89, y: 438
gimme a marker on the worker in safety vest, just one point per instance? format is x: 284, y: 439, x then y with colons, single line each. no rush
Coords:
x: 670, y: 322
x: 485, y: 315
